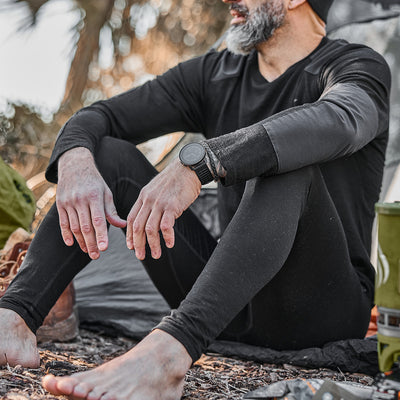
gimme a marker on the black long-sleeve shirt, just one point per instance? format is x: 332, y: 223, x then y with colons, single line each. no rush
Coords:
x: 331, y: 109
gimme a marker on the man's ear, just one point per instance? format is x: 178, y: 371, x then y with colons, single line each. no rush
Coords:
x: 295, y: 3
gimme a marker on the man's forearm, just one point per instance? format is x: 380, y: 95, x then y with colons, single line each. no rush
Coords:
x: 339, y: 124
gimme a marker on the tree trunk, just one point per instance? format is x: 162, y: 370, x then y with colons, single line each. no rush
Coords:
x: 97, y: 13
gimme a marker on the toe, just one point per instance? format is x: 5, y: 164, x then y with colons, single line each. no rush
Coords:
x: 66, y: 385
x: 49, y: 382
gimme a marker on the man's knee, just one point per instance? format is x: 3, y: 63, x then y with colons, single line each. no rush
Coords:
x: 294, y: 184
x: 112, y: 151
x: 120, y: 159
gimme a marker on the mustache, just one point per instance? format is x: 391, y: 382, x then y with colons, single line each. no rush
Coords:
x: 240, y: 9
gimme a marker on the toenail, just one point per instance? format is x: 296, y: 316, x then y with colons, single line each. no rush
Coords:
x: 95, y: 395
x: 80, y: 390
x: 107, y: 396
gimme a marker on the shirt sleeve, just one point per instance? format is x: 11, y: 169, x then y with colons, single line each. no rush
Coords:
x: 352, y: 110
x: 171, y: 102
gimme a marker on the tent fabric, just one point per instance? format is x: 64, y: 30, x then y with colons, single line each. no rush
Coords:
x: 17, y: 203
x: 352, y: 355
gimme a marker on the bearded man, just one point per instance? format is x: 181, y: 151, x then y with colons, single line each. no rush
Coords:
x: 296, y: 129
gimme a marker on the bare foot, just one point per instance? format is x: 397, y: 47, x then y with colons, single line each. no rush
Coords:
x: 152, y: 370
x: 17, y: 341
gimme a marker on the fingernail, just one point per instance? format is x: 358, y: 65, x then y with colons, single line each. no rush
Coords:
x: 69, y: 242
x: 156, y: 255
x: 102, y: 246
x: 94, y: 256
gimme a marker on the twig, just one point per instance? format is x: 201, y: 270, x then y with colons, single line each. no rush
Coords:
x: 8, y: 366
x: 344, y: 376
x: 28, y: 378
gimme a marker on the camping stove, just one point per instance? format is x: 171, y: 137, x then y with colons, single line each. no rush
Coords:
x: 387, y: 299
x: 387, y: 285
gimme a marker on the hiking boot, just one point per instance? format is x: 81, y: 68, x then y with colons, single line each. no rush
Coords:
x: 61, y: 324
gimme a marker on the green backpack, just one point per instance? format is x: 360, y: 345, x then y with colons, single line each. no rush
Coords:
x: 17, y: 204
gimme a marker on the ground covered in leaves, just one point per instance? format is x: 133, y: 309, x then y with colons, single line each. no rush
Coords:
x: 212, y: 377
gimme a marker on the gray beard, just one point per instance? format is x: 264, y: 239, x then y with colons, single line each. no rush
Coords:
x: 260, y: 25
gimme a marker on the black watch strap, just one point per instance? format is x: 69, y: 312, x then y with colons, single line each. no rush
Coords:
x: 203, y: 173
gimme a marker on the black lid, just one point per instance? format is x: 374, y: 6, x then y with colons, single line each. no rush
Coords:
x: 321, y: 7
x: 388, y: 208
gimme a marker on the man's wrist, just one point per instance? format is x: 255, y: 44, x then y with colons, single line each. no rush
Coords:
x: 77, y: 156
x: 75, y: 152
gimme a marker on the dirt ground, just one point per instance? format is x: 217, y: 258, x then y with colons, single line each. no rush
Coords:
x: 211, y: 378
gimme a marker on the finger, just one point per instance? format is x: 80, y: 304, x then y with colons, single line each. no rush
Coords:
x: 139, y: 235
x: 152, y: 233
x: 111, y: 212
x: 88, y: 232
x: 167, y: 228
x: 130, y: 220
x: 76, y: 229
x: 98, y: 221
x: 66, y: 232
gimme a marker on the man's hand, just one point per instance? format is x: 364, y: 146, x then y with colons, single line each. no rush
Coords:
x: 159, y: 204
x: 84, y: 202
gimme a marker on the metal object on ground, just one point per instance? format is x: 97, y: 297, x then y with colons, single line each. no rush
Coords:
x: 387, y: 385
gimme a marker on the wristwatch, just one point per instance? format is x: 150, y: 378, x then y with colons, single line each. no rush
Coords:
x: 193, y: 156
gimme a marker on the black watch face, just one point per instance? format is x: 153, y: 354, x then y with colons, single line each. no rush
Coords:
x: 192, y: 153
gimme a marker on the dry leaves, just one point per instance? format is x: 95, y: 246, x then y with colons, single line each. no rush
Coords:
x: 212, y: 377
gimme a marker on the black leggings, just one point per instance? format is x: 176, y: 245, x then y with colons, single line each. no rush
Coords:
x: 280, y: 276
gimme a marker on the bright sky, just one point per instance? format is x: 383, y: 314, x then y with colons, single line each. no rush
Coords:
x: 34, y: 63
